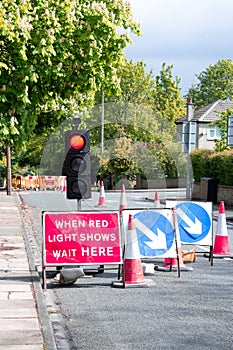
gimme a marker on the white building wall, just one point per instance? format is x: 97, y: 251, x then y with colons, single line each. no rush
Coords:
x: 204, y: 141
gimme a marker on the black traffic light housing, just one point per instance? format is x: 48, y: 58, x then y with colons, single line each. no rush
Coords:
x: 76, y: 166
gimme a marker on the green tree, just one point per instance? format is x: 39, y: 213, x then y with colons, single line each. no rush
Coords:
x: 215, y: 83
x: 168, y: 102
x: 136, y: 85
x: 144, y: 112
x: 158, y: 98
x: 221, y: 145
x: 54, y: 55
x: 130, y: 111
x: 126, y: 156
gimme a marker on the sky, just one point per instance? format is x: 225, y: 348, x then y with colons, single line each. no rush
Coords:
x: 188, y: 34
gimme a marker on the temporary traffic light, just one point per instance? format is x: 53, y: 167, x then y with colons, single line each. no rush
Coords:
x: 76, y: 166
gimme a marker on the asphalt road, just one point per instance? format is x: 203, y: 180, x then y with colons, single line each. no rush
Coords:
x: 55, y: 200
x: 191, y: 312
x: 194, y: 311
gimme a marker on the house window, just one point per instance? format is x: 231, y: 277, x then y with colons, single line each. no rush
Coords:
x: 214, y: 132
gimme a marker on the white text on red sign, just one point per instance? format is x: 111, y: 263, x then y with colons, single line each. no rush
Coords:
x: 81, y: 238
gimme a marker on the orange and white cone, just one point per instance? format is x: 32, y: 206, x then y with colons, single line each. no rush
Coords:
x: 133, y: 273
x: 171, y: 264
x: 157, y: 201
x: 221, y: 245
x: 123, y: 200
x: 102, y: 194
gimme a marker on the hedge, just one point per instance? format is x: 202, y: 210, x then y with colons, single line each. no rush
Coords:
x: 217, y: 165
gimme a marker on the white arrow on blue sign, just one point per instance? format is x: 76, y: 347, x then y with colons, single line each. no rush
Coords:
x: 155, y: 233
x: 194, y: 222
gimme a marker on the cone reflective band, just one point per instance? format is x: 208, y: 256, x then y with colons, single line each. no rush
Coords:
x: 77, y: 142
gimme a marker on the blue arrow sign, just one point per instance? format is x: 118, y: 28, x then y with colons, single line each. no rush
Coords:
x: 155, y: 233
x: 194, y: 222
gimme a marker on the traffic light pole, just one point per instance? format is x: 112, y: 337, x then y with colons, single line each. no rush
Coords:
x: 8, y: 158
x: 79, y: 207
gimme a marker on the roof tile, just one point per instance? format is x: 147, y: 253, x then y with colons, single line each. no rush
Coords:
x: 208, y: 113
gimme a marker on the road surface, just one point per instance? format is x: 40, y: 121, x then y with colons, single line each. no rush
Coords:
x: 194, y: 311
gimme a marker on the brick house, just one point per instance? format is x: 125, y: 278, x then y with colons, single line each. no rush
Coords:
x: 205, y: 134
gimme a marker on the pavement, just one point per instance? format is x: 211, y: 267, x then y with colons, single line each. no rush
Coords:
x: 23, y: 315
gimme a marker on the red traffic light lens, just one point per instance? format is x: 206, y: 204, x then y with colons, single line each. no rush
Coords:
x: 77, y: 142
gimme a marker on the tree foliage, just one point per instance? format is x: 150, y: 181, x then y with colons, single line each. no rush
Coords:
x: 57, y: 54
x: 136, y: 85
x: 54, y: 55
x: 167, y: 97
x: 222, y: 123
x: 207, y: 163
x: 132, y: 115
x: 125, y: 156
x: 144, y: 113
x: 160, y: 93
x: 215, y: 83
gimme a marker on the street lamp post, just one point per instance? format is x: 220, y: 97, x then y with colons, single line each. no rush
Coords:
x: 190, y: 113
x: 102, y: 126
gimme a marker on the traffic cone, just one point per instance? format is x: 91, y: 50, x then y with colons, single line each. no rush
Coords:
x: 157, y: 201
x: 102, y: 194
x: 123, y: 200
x: 171, y: 264
x: 221, y: 245
x: 133, y: 274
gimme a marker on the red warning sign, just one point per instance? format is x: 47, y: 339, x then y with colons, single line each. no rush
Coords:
x: 81, y: 238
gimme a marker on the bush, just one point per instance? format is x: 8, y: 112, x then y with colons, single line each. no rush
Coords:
x: 200, y: 164
x: 217, y: 165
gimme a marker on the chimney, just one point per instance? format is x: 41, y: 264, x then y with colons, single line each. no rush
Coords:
x: 190, y: 109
